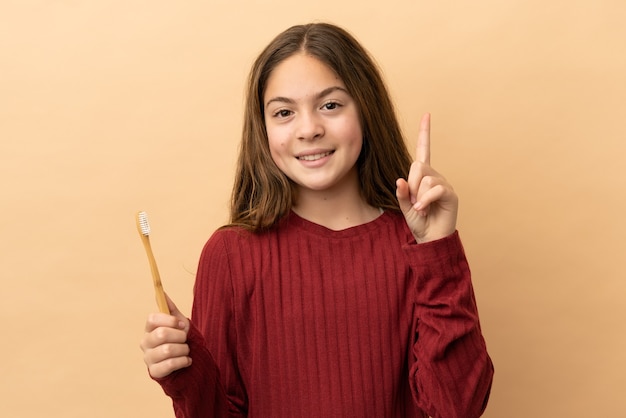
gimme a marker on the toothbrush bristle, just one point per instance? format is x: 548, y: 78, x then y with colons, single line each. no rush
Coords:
x: 143, y: 223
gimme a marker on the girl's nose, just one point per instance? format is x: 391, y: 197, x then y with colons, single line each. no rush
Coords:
x: 309, y: 127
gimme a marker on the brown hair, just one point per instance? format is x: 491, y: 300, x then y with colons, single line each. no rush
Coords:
x: 262, y: 194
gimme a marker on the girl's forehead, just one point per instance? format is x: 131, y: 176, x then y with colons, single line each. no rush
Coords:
x: 300, y: 73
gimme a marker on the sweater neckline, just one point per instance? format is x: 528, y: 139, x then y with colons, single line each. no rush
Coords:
x: 296, y: 221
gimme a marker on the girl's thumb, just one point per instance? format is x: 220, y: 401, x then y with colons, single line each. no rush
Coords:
x: 182, y: 319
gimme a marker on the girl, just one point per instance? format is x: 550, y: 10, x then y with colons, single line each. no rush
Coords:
x: 339, y: 289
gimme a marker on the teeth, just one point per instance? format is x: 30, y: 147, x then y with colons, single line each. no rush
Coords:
x: 314, y: 156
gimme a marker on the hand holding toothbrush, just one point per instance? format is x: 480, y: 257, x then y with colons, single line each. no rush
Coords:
x: 164, y: 343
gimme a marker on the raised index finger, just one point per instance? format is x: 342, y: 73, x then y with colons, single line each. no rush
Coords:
x: 422, y: 153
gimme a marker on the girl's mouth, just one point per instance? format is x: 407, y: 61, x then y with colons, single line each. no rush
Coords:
x: 313, y: 157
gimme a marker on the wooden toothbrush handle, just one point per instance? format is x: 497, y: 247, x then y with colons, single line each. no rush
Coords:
x: 156, y: 278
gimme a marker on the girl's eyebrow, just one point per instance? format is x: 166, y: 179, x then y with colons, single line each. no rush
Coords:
x: 318, y: 96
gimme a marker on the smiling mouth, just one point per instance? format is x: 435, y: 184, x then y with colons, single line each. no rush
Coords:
x: 314, y: 157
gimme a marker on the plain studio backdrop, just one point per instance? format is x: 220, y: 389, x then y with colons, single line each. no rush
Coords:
x: 110, y: 107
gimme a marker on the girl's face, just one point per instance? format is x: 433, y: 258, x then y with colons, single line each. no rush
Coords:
x: 313, y: 126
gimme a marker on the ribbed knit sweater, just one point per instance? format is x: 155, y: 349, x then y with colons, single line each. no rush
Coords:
x: 304, y: 321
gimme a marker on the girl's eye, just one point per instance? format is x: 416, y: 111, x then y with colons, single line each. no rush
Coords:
x: 331, y: 105
x: 282, y: 113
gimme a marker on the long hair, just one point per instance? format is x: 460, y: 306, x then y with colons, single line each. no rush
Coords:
x: 262, y: 194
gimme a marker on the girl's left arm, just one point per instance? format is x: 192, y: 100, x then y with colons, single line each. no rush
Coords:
x: 452, y: 373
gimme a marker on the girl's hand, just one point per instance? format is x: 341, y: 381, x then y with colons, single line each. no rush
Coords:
x: 427, y: 200
x: 164, y: 344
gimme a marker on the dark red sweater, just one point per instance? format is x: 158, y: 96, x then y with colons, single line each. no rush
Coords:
x: 303, y: 321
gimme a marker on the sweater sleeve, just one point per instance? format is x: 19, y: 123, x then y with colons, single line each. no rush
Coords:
x: 211, y: 386
x: 451, y: 372
x: 196, y: 391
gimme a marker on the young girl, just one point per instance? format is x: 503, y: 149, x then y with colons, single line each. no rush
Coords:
x: 339, y: 289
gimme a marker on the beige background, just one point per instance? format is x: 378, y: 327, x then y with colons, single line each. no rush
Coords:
x: 109, y: 107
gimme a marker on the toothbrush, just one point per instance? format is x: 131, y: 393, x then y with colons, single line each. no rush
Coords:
x: 144, y: 231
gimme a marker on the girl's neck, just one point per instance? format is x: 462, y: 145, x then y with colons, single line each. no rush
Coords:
x: 336, y: 209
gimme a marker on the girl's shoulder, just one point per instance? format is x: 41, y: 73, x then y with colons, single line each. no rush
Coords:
x: 228, y: 235
x: 233, y: 239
